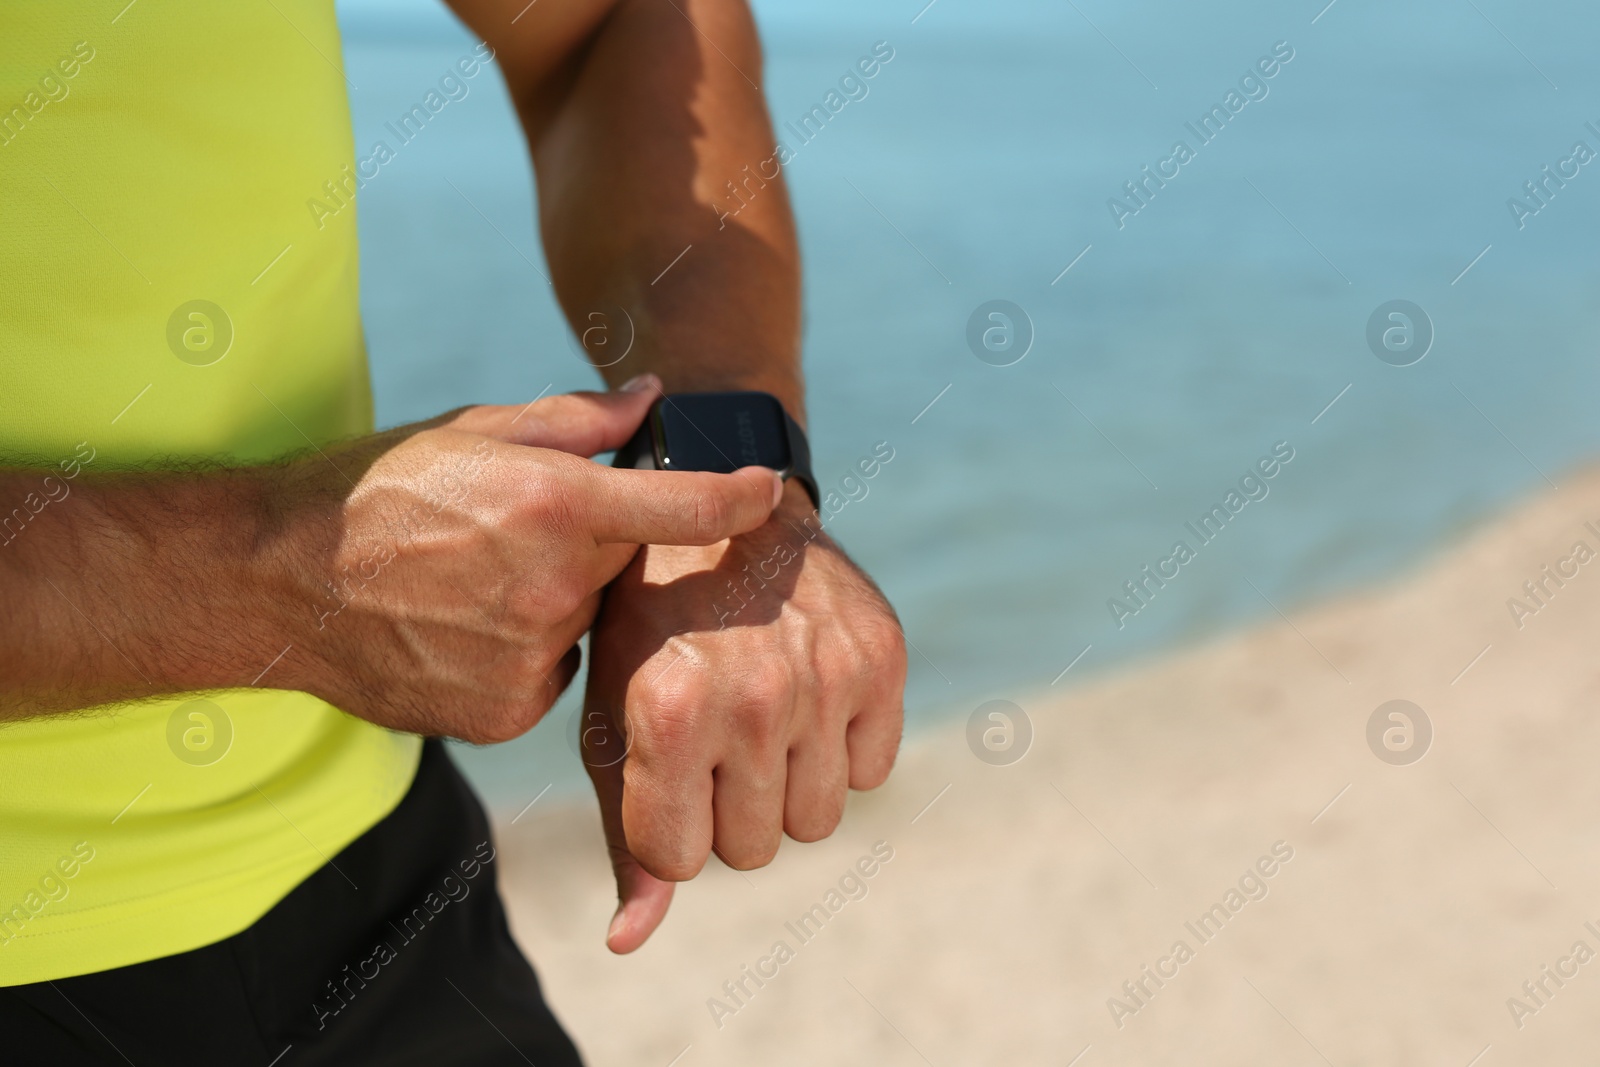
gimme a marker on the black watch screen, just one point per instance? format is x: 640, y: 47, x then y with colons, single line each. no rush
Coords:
x: 720, y: 432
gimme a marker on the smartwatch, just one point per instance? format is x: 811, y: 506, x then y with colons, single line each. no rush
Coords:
x: 720, y: 432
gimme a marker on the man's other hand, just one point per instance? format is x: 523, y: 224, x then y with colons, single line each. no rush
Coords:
x: 441, y: 575
x: 757, y: 680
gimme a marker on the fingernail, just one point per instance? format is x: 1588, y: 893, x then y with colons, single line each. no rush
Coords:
x: 614, y: 927
x: 777, y: 489
x: 641, y: 383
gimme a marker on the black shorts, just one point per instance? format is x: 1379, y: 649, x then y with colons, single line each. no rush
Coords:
x: 416, y: 966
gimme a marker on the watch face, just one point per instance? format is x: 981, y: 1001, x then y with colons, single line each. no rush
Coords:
x: 722, y: 432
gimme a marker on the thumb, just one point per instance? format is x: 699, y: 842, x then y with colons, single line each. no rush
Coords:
x: 642, y: 898
x: 583, y: 423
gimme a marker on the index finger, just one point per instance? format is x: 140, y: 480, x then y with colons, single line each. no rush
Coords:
x: 679, y: 507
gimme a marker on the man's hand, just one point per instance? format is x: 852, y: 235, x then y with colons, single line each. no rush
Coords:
x: 758, y: 679
x: 739, y: 731
x: 435, y: 578
x: 468, y: 558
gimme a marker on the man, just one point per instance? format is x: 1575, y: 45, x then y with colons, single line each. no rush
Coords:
x: 232, y: 612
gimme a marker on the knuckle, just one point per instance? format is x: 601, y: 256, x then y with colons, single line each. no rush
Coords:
x: 504, y: 721
x: 760, y: 718
x: 870, y: 768
x: 764, y: 774
x: 569, y: 413
x: 817, y: 823
x: 553, y: 507
x: 884, y: 643
x: 528, y: 608
x: 529, y: 716
x: 666, y: 718
x: 881, y: 660
x: 672, y: 692
x: 843, y: 666
x: 875, y: 773
x: 761, y: 729
x: 751, y: 856
x: 675, y: 868
x: 710, y: 517
x: 561, y: 595
x: 560, y: 405
x: 673, y: 681
x: 767, y: 685
x: 669, y: 860
x: 523, y: 693
x: 548, y: 496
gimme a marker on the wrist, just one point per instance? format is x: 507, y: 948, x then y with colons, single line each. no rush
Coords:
x: 783, y: 381
x: 211, y: 618
x: 796, y: 506
x: 293, y: 576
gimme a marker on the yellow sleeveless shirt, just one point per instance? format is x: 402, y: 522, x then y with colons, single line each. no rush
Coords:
x: 167, y: 296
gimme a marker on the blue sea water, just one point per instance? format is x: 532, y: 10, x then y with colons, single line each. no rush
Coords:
x: 1219, y: 319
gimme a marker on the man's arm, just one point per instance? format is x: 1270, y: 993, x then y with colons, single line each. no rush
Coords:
x: 760, y: 678
x: 435, y: 578
x: 94, y: 576
x: 639, y: 114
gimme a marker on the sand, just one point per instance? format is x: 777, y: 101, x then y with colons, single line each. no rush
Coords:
x: 1419, y: 898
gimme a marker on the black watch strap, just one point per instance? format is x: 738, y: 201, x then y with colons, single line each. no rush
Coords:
x: 800, y: 459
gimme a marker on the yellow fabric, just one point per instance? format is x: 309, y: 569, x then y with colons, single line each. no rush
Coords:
x: 155, y: 154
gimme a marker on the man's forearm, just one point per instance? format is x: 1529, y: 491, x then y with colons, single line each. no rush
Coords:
x: 129, y: 586
x: 434, y: 578
x: 637, y: 134
x: 660, y: 190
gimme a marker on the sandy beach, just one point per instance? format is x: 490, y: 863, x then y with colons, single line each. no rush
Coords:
x: 1405, y: 905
